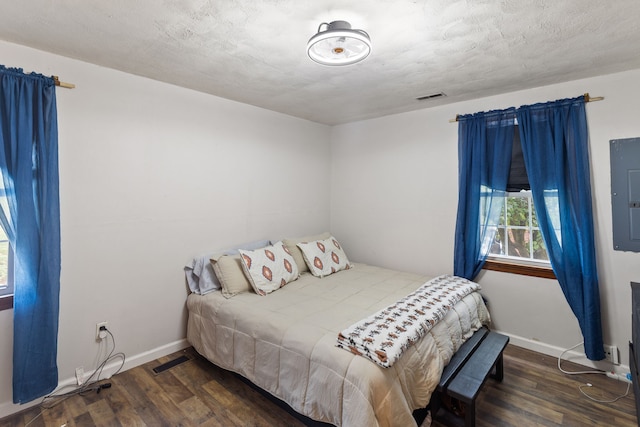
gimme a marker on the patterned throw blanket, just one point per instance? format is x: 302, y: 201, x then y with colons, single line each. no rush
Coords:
x: 385, y: 335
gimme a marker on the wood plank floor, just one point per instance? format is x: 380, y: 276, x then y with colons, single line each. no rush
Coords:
x: 197, y: 393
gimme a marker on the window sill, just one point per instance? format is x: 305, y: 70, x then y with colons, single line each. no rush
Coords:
x: 516, y: 268
x: 6, y: 302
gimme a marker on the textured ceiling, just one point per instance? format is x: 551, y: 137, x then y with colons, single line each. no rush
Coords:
x: 254, y: 51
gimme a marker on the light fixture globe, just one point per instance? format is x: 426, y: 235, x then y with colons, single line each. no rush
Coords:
x: 338, y: 44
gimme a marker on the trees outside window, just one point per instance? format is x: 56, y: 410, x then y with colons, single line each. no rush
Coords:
x: 518, y: 236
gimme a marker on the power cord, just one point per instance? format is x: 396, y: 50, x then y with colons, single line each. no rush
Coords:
x: 575, y: 372
x: 587, y: 385
x: 90, y: 384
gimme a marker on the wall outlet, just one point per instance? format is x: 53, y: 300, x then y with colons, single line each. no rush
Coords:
x: 611, y: 354
x: 100, y: 335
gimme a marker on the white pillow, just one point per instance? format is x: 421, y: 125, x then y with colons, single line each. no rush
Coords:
x: 268, y: 269
x: 200, y: 275
x: 324, y: 257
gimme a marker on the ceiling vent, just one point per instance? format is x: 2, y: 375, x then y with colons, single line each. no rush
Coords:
x: 432, y: 96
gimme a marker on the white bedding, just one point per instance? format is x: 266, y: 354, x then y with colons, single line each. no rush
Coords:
x: 285, y: 343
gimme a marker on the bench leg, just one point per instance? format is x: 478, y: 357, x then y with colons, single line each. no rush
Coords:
x: 436, y: 403
x: 470, y: 415
x: 499, y: 374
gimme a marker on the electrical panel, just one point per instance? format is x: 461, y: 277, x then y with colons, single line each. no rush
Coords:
x: 625, y: 193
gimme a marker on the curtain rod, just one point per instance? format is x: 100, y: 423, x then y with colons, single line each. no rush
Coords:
x: 587, y: 98
x: 63, y: 84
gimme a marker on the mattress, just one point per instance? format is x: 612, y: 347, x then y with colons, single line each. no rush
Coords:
x: 285, y: 343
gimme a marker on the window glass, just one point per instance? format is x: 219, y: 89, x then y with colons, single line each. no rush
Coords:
x: 517, y: 211
x: 539, y: 249
x: 6, y: 287
x: 518, y: 236
x: 4, y: 259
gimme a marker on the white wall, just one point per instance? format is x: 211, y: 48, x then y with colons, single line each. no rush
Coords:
x: 150, y: 176
x: 394, y: 201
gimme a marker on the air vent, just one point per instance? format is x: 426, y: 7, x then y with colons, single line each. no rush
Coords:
x: 432, y: 96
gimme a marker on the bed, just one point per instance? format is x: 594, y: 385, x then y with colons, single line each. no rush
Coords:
x: 285, y: 343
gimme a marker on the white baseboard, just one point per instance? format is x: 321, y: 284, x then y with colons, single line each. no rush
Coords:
x: 8, y: 408
x: 572, y: 355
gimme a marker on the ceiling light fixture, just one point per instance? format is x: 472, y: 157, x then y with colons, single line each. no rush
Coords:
x: 338, y: 44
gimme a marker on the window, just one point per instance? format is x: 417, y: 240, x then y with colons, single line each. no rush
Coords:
x: 6, y: 284
x: 518, y: 235
x: 518, y: 246
x: 5, y: 256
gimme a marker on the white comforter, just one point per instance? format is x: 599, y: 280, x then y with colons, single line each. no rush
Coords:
x: 285, y: 343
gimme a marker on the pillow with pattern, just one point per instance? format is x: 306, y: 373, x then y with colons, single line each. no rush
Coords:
x: 294, y: 250
x: 270, y: 268
x: 324, y: 257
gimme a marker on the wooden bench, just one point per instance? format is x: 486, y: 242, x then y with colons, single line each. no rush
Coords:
x: 477, y: 359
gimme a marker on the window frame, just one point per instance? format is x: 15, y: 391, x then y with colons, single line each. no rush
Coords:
x: 6, y: 302
x: 6, y: 293
x: 515, y: 264
x: 518, y: 267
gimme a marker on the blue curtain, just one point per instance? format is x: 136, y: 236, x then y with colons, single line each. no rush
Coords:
x: 485, y: 141
x: 555, y: 142
x: 29, y: 164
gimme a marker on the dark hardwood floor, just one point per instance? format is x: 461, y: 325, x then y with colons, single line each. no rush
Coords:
x: 197, y: 393
x: 535, y: 393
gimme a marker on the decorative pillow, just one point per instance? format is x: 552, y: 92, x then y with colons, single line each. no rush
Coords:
x: 324, y: 257
x: 268, y: 269
x: 291, y: 245
x: 228, y: 269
